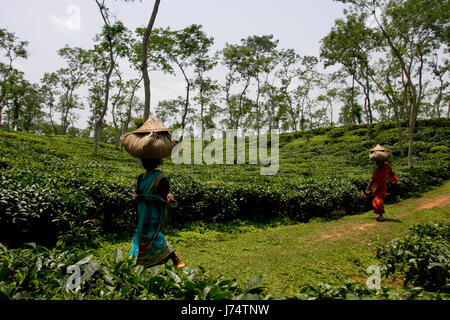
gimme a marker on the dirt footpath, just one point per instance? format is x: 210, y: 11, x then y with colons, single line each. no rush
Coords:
x: 359, y: 226
x: 442, y: 201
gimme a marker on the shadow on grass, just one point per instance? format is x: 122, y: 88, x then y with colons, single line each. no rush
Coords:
x: 385, y: 219
x: 226, y: 228
x: 229, y: 227
x: 392, y: 220
x: 115, y: 238
x: 203, y: 228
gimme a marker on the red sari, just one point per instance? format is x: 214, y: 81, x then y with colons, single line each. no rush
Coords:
x: 380, y: 176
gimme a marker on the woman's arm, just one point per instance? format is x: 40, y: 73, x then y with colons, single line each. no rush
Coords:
x: 163, y: 191
x: 392, y: 176
x: 370, y: 184
x: 138, y: 194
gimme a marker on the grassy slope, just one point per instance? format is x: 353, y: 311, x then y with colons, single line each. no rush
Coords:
x: 296, y: 254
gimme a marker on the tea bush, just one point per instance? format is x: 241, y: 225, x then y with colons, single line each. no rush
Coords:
x: 26, y: 207
x: 41, y: 273
x: 336, y: 132
x: 360, y: 291
x: 54, y: 189
x: 422, y: 258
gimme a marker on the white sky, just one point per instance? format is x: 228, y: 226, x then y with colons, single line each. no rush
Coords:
x: 51, y: 24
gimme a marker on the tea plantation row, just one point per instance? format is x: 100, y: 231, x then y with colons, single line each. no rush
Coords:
x: 40, y: 273
x: 52, y: 188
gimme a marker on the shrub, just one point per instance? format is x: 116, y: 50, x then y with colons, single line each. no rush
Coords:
x: 40, y: 273
x: 383, y: 126
x: 360, y: 291
x: 437, y: 149
x: 360, y: 132
x: 422, y: 258
x: 389, y: 137
x: 336, y: 132
x: 27, y: 211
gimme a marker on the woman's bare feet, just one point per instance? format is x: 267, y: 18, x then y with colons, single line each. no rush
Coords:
x: 177, y: 263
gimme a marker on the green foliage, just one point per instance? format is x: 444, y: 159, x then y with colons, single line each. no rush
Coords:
x: 41, y: 273
x: 422, y: 258
x: 439, y: 149
x: 360, y: 291
x: 336, y: 132
x: 37, y: 272
x: 54, y: 189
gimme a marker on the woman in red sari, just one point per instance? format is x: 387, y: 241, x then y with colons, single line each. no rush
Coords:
x: 381, y: 175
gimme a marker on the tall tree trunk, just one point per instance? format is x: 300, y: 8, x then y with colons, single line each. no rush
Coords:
x: 394, y: 102
x: 399, y: 127
x: 291, y: 111
x: 98, y: 122
x: 16, y: 113
x: 144, y: 67
x: 412, y: 124
x: 116, y: 126
x: 415, y: 103
x: 302, y: 121
x: 1, y: 104
x: 66, y: 122
x: 406, y: 109
x: 369, y: 113
x: 186, y: 102
x: 369, y: 106
x: 353, y: 100
x: 331, y: 115
x: 202, y: 109
x: 228, y: 84
x: 294, y: 121
x: 439, y: 98
x: 241, y: 99
x: 51, y: 120
x: 257, y: 110
x: 407, y: 73
x: 438, y: 103
x: 186, y: 105
x: 4, y: 91
x: 113, y: 107
x: 130, y: 106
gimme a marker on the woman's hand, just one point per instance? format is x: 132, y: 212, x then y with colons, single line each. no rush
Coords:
x: 369, y: 185
x: 170, y: 198
x: 138, y: 197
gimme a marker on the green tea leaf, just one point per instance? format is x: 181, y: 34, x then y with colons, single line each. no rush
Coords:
x: 117, y: 254
x: 174, y: 276
x: 253, y: 284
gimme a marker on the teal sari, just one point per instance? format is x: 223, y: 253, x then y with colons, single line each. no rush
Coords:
x: 149, y: 246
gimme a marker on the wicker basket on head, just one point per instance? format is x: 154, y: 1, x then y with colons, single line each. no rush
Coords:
x: 151, y: 141
x: 379, y: 153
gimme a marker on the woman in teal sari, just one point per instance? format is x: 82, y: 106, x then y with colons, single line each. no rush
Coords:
x: 149, y: 246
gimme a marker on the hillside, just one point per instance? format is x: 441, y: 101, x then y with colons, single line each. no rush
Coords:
x: 53, y: 188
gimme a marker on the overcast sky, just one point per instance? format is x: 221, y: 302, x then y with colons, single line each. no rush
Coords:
x: 51, y: 24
